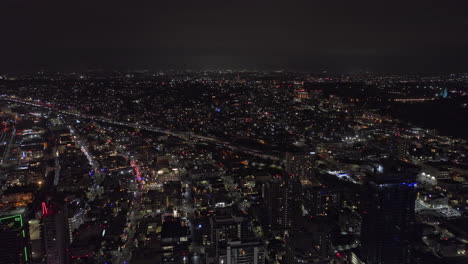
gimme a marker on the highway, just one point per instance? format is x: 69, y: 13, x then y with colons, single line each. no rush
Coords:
x: 181, y: 135
x: 6, y: 154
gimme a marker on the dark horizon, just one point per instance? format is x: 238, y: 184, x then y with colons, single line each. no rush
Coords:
x: 345, y: 37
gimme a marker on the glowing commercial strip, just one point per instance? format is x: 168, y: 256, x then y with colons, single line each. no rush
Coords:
x: 137, y: 169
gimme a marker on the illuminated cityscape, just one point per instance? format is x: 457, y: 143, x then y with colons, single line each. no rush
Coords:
x: 228, y: 175
x: 224, y: 133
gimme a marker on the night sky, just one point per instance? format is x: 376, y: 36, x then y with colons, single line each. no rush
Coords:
x: 313, y: 35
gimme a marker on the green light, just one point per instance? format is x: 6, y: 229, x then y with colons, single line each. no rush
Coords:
x: 25, y: 253
x: 18, y: 218
x: 8, y: 217
x: 24, y: 235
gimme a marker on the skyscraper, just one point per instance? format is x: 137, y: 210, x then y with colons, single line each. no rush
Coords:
x: 402, y: 146
x: 278, y: 202
x: 300, y: 164
x: 318, y: 201
x: 245, y: 252
x: 224, y: 228
x: 388, y: 213
x: 56, y: 235
x: 13, y: 240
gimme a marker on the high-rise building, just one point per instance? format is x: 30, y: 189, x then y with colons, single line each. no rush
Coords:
x: 300, y: 165
x: 56, y: 235
x: 277, y: 195
x: 402, y: 146
x: 14, y: 247
x: 388, y: 213
x: 318, y: 201
x: 307, y: 247
x: 245, y: 252
x: 225, y: 228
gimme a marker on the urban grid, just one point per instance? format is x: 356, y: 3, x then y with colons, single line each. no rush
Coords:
x: 102, y: 163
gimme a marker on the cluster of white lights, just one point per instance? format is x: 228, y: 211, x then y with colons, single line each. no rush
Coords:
x: 428, y: 176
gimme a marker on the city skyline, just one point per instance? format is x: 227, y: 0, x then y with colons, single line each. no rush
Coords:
x: 229, y: 167
x: 233, y: 132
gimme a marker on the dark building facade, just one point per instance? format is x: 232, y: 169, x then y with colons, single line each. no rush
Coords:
x: 300, y: 164
x: 56, y: 235
x: 388, y: 214
x: 317, y: 201
x: 278, y: 202
x: 14, y: 247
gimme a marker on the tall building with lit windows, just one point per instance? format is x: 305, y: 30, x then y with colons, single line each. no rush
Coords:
x: 14, y: 246
x: 402, y: 146
x: 277, y: 195
x: 56, y: 235
x: 388, y: 214
x: 300, y: 164
x: 245, y: 252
